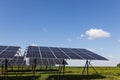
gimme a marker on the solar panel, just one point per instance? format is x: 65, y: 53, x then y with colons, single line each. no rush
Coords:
x: 8, y: 51
x: 46, y: 62
x: 2, y: 62
x: 62, y: 53
x: 2, y: 47
x: 16, y: 61
x: 95, y: 56
x: 70, y: 53
x: 46, y: 52
x: 33, y: 51
x: 82, y: 54
x: 59, y: 53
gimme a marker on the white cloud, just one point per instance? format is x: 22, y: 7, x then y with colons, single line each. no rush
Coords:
x: 97, y: 33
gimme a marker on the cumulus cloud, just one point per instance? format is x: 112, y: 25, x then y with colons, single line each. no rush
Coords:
x: 97, y: 33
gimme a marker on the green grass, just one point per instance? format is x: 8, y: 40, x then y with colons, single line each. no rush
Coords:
x: 71, y: 73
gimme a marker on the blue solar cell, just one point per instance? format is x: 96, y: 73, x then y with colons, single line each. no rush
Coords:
x: 82, y: 54
x: 33, y: 51
x: 11, y: 48
x: 71, y: 54
x: 33, y: 48
x: 47, y: 55
x: 3, y: 47
x: 44, y: 49
x: 46, y: 52
x: 7, y: 54
x: 95, y: 56
x: 38, y: 61
x: 58, y: 61
x: 8, y: 51
x: 58, y: 53
x: 46, y: 62
x: 51, y: 62
x: 16, y: 61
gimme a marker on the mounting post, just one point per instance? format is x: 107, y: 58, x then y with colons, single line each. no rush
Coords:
x: 86, y: 67
x: 34, y: 67
x: 63, y: 65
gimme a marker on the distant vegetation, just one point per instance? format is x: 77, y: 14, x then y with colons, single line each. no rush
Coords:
x: 118, y: 65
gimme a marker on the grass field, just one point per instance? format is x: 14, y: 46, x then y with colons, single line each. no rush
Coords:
x: 71, y: 73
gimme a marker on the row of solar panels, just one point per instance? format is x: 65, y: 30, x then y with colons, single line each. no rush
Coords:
x: 16, y: 61
x: 62, y: 53
x: 50, y: 52
x: 8, y: 51
x: 19, y: 61
x: 47, y: 62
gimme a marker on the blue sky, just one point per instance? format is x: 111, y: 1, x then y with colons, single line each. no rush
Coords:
x: 63, y: 23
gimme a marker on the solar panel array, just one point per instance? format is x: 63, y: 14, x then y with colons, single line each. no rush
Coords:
x: 47, y: 62
x: 61, y: 53
x: 45, y: 56
x: 16, y: 61
x: 8, y: 51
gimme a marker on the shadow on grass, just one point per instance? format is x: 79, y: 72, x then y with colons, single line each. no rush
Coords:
x: 75, y: 77
x: 31, y: 70
x: 20, y: 78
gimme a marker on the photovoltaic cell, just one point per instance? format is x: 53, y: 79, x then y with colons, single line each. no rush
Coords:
x: 71, y: 54
x: 8, y: 51
x: 95, y: 56
x: 46, y: 62
x: 58, y: 53
x: 2, y: 47
x: 46, y: 52
x: 16, y: 61
x: 33, y: 52
x: 82, y: 54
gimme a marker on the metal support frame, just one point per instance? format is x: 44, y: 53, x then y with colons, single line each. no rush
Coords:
x: 46, y: 67
x: 63, y: 66
x: 62, y: 69
x: 86, y: 67
x: 34, y: 68
x: 5, y: 68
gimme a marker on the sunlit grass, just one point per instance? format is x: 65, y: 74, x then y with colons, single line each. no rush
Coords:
x: 71, y: 73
